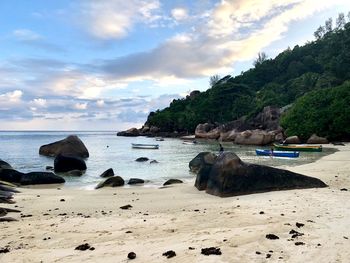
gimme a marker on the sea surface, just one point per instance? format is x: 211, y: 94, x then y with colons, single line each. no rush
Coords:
x: 21, y: 150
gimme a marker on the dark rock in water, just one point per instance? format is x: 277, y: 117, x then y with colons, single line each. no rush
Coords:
x: 107, y: 173
x: 50, y: 168
x: 230, y: 176
x: 169, y: 254
x: 132, y: 132
x: 41, y: 178
x: 114, y: 181
x: 65, y: 163
x: 74, y: 173
x: 131, y: 255
x: 136, y: 181
x: 338, y: 143
x: 211, y: 251
x: 154, y: 161
x: 142, y: 159
x: 173, y: 181
x: 202, y: 164
x: 4, y: 165
x: 71, y: 146
x: 83, y: 247
x: 272, y: 236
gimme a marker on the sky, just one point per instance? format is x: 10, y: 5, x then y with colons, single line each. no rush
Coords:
x: 105, y: 64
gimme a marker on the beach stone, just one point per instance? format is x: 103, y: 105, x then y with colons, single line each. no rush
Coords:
x: 114, y: 181
x: 70, y: 146
x: 173, y: 181
x: 292, y: 140
x: 272, y: 236
x: 136, y: 181
x: 202, y: 164
x: 314, y: 139
x: 108, y: 173
x: 211, y: 251
x: 142, y: 159
x: 34, y: 178
x: 74, y: 173
x: 64, y: 163
x: 230, y: 176
x: 154, y: 161
x: 169, y: 254
x: 131, y: 255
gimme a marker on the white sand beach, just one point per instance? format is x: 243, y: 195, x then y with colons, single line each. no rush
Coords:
x: 185, y: 220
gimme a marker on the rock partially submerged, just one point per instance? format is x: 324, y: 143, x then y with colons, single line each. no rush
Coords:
x: 70, y: 146
x: 114, y: 181
x: 227, y: 175
x: 65, y: 163
x: 173, y: 181
x: 32, y: 178
x: 108, y: 173
x: 133, y: 181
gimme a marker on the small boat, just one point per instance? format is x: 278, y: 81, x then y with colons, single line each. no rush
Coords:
x: 144, y: 146
x: 189, y: 142
x: 298, y: 147
x: 262, y: 152
x: 159, y: 139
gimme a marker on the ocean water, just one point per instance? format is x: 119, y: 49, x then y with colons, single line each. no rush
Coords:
x: 21, y: 150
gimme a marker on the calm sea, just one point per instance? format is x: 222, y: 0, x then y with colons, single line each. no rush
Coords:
x: 21, y: 150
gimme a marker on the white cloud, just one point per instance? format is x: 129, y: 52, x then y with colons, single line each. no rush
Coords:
x: 100, y: 103
x: 179, y: 14
x: 81, y: 106
x: 26, y: 35
x: 39, y: 102
x: 112, y: 19
x: 10, y: 99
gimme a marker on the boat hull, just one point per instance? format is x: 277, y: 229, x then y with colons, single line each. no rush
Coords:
x: 145, y: 146
x: 300, y: 148
x: 289, y: 154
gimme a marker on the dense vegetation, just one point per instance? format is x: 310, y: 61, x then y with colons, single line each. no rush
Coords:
x: 313, y: 70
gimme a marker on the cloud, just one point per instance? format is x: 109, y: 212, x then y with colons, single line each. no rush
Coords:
x: 39, y: 102
x: 81, y: 106
x: 113, y: 19
x: 179, y: 14
x: 33, y: 39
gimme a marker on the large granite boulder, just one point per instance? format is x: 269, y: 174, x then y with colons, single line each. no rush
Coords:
x: 230, y: 176
x: 114, y: 181
x: 32, y: 178
x: 64, y: 163
x: 202, y: 164
x: 314, y: 139
x: 207, y: 131
x: 268, y: 119
x: 255, y: 137
x: 132, y: 132
x: 70, y: 146
x: 292, y: 140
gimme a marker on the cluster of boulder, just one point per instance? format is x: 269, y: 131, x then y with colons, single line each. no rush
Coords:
x: 227, y: 175
x: 263, y: 129
x: 7, y: 191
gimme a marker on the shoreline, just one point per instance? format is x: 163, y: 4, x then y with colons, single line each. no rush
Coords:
x: 180, y: 216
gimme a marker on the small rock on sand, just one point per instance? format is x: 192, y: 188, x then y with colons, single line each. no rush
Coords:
x: 211, y: 251
x: 169, y: 254
x: 272, y: 236
x: 131, y: 255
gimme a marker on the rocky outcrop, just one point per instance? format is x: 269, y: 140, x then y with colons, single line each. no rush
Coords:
x: 230, y: 176
x: 314, y: 139
x: 207, y: 131
x: 255, y: 137
x: 4, y: 165
x: 114, y: 181
x: 292, y: 140
x: 108, y: 173
x: 70, y: 146
x: 133, y: 132
x: 141, y: 159
x: 202, y: 164
x: 65, y: 163
x: 32, y: 178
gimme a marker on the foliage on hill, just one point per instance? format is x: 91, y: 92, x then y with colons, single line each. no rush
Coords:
x: 325, y: 112
x: 315, y: 67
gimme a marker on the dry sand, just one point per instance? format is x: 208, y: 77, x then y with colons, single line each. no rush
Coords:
x: 179, y: 217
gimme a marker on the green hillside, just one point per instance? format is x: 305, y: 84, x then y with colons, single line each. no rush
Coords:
x: 312, y: 70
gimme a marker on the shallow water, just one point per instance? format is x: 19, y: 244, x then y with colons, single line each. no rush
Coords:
x: 21, y: 150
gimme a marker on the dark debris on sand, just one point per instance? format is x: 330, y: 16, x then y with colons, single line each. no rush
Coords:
x: 84, y: 247
x: 211, y: 251
x: 125, y: 207
x: 272, y: 236
x: 131, y: 255
x: 169, y: 254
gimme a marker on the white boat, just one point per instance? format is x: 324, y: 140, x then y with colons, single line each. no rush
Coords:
x: 160, y: 139
x: 189, y: 142
x: 144, y: 146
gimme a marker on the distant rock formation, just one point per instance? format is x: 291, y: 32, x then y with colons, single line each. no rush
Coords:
x: 70, y: 146
x: 292, y: 140
x: 314, y: 139
x: 227, y: 175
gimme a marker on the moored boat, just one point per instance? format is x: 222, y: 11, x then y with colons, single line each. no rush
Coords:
x: 262, y: 152
x: 144, y: 146
x: 298, y: 147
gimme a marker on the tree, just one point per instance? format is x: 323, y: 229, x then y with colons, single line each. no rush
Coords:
x: 329, y: 25
x: 340, y: 22
x: 260, y: 59
x: 213, y: 80
x: 319, y: 33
